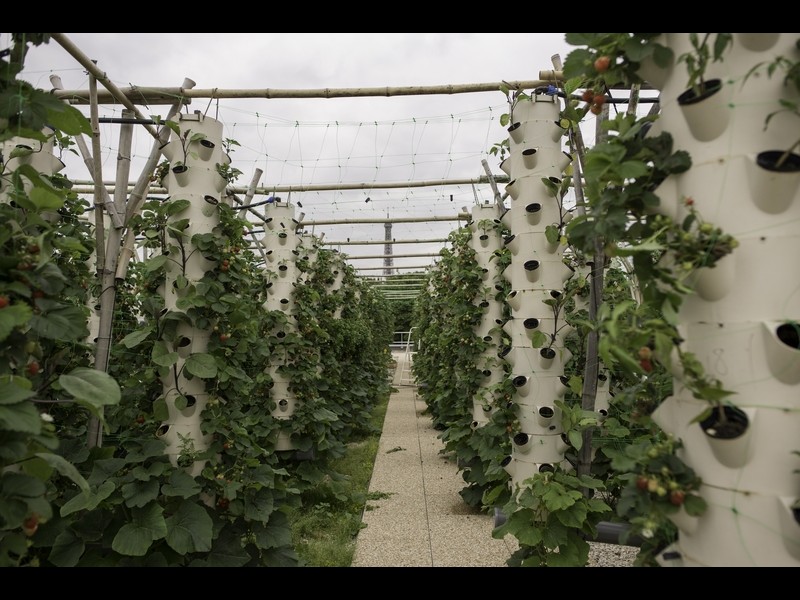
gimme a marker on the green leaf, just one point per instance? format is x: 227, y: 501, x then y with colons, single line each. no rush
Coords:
x: 62, y: 324
x: 135, y: 338
x: 226, y: 551
x: 88, y: 501
x: 21, y: 417
x: 176, y: 206
x: 162, y: 356
x: 155, y: 263
x: 694, y: 505
x: 574, y: 517
x: 13, y: 316
x: 160, y: 410
x: 575, y: 438
x: 45, y: 199
x: 139, y: 493
x: 67, y: 549
x: 68, y: 119
x: 181, y: 484
x: 20, y: 485
x: 14, y: 391
x: 189, y: 529
x: 201, y: 365
x: 66, y: 468
x: 91, y: 388
x: 260, y: 507
x: 181, y: 402
x: 135, y: 539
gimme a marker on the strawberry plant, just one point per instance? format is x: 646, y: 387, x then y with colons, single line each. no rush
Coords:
x: 46, y: 379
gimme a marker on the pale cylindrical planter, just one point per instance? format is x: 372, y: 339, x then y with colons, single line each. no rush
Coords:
x: 708, y: 116
x: 757, y: 42
x: 772, y: 191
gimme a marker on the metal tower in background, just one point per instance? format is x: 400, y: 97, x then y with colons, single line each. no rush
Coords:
x: 388, y: 261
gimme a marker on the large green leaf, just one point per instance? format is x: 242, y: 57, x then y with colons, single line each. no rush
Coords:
x: 68, y: 119
x: 201, y: 365
x: 67, y: 549
x: 14, y: 391
x: 21, y: 417
x: 13, y: 316
x: 66, y: 468
x: 45, y: 199
x: 135, y: 539
x: 155, y: 263
x: 180, y: 484
x: 260, y: 507
x: 140, y: 493
x: 88, y: 501
x: 92, y: 388
x: 62, y: 323
x: 189, y: 529
x: 162, y: 356
x: 135, y: 338
x: 226, y: 551
x: 18, y: 484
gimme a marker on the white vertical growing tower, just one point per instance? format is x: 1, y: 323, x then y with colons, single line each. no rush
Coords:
x: 537, y: 274
x: 194, y: 154
x: 281, y: 242
x: 741, y: 323
x: 486, y: 241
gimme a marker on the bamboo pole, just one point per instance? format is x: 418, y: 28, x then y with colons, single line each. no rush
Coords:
x: 165, y: 95
x: 248, y: 198
x: 116, y: 219
x: 592, y: 366
x: 378, y: 242
x: 460, y: 217
x: 392, y: 256
x: 395, y: 267
x: 137, y: 194
x: 81, y: 186
x: 498, y: 197
x: 90, y: 66
x: 109, y: 269
x: 97, y: 169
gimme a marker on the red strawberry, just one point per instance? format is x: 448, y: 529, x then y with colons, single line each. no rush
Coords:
x: 602, y: 63
x: 677, y: 497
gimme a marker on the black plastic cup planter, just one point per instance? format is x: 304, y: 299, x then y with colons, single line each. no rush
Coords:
x: 725, y: 423
x: 778, y: 161
x: 547, y: 353
x: 531, y: 323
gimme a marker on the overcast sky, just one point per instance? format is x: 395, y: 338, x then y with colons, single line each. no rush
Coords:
x: 329, y: 141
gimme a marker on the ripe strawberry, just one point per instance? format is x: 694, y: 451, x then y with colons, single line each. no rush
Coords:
x: 140, y: 419
x: 602, y: 63
x: 645, y: 353
x: 4, y: 301
x: 599, y: 99
x: 588, y: 95
x: 641, y: 483
x: 677, y: 497
x: 30, y: 525
x: 596, y: 109
x: 224, y: 337
x: 32, y: 368
x: 223, y: 503
x: 646, y: 365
